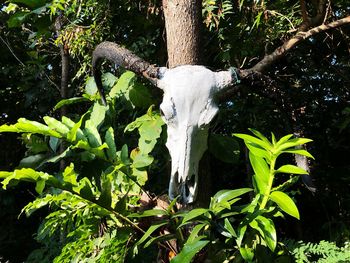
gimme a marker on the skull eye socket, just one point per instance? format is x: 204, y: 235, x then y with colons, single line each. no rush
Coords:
x: 167, y: 112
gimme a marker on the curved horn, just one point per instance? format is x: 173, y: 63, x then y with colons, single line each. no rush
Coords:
x: 122, y: 57
x: 225, y: 79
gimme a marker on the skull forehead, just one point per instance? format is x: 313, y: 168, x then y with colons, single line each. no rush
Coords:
x: 190, y: 80
x: 189, y: 89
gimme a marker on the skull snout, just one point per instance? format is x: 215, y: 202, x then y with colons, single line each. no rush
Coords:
x: 191, y: 145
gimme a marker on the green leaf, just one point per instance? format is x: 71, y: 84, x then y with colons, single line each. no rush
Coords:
x: 261, y: 171
x: 40, y: 185
x: 17, y: 19
x: 147, y: 213
x: 121, y: 87
x: 224, y: 148
x: 75, y: 133
x: 292, y: 143
x: 141, y: 161
x: 300, y: 152
x: 98, y: 114
x: 92, y: 134
x: 106, y: 187
x: 109, y: 139
x: 90, y: 87
x: 229, y: 228
x: 260, y: 136
x: 283, y: 139
x: 189, y: 251
x: 291, y: 169
x: 247, y: 253
x: 285, y: 203
x: 69, y: 101
x: 267, y: 230
x: 31, y: 161
x: 150, y: 231
x: 56, y: 125
x: 27, y: 126
x: 193, y: 214
x: 254, y: 140
x: 227, y: 195
x: 195, y: 232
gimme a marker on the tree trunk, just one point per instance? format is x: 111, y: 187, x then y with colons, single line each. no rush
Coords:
x: 182, y: 25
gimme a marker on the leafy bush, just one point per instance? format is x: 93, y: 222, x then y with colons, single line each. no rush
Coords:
x: 94, y: 196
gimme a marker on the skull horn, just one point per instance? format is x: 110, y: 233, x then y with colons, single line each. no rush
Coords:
x: 121, y: 57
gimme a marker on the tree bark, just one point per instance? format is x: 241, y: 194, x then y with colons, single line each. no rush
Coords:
x: 182, y: 25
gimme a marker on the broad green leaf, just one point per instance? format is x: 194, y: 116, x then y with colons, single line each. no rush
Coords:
x: 224, y: 148
x: 108, y: 80
x: 90, y: 87
x: 54, y: 143
x: 126, y: 80
x: 140, y: 96
x: 39, y: 187
x: 267, y: 230
x: 111, y: 150
x: 226, y: 195
x: 69, y: 101
x: 56, y: 125
x: 141, y: 161
x: 97, y: 116
x: 55, y: 159
x: 189, y: 251
x: 92, y: 134
x: 261, y: 171
x: 247, y: 253
x: 292, y: 143
x: 69, y: 175
x: 147, y: 213
x: 254, y: 140
x: 300, y: 152
x: 84, y: 189
x: 27, y: 126
x: 18, y: 18
x: 140, y: 175
x: 283, y: 139
x: 193, y: 214
x: 285, y: 203
x: 256, y: 150
x: 291, y: 169
x: 32, y: 161
x: 150, y: 231
x: 27, y: 175
x: 75, y: 133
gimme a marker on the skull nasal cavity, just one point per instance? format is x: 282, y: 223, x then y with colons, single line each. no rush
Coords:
x: 190, y: 184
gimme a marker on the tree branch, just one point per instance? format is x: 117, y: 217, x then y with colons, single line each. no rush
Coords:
x: 292, y: 42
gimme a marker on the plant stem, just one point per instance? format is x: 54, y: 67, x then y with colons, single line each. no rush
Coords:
x: 269, y: 184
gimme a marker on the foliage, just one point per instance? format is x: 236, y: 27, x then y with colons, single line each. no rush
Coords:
x: 91, y: 197
x: 229, y: 227
x: 323, y: 251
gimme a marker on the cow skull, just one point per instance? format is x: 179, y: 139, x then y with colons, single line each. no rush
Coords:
x: 188, y: 107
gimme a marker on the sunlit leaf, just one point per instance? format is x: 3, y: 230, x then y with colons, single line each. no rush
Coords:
x: 291, y: 169
x: 285, y: 203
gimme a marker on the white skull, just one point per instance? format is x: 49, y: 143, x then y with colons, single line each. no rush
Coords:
x: 188, y: 107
